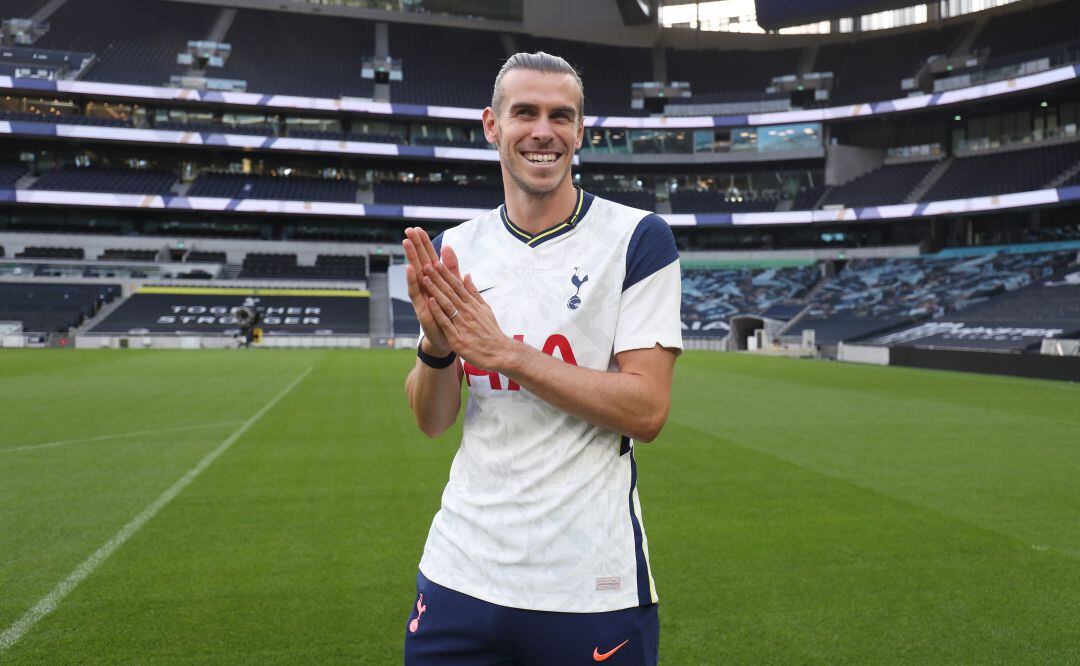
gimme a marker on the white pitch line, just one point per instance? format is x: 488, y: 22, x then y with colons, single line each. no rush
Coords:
x: 50, y: 601
x: 99, y: 438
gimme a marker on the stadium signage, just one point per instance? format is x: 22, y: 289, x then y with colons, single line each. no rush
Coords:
x: 986, y: 335
x: 219, y: 314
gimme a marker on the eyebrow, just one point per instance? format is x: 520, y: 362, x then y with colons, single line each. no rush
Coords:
x: 569, y: 110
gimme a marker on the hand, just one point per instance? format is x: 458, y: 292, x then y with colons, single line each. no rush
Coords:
x: 421, y: 253
x: 464, y: 316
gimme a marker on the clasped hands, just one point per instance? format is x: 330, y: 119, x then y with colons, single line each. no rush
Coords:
x: 450, y: 309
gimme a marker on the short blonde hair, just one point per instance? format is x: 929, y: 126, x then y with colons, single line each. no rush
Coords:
x: 537, y: 62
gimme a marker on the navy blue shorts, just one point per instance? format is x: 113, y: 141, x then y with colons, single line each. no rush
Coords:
x: 448, y: 628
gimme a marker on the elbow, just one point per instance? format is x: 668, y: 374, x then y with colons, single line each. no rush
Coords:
x: 649, y: 426
x: 431, y: 430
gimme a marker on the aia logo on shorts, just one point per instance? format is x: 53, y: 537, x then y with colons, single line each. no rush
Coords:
x: 575, y: 301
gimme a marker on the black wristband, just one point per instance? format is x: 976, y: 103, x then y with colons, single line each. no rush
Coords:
x: 437, y: 362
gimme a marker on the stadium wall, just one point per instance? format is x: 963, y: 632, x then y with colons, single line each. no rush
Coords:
x: 1035, y: 366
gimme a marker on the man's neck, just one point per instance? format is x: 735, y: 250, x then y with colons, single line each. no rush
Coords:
x: 532, y: 213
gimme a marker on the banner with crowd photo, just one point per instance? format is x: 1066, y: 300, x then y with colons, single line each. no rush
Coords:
x: 208, y: 311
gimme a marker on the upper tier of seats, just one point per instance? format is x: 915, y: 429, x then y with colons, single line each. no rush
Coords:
x: 287, y: 188
x: 716, y: 75
x: 106, y: 179
x: 1015, y: 33
x: 888, y: 184
x: 299, y: 54
x: 426, y: 194
x: 52, y: 308
x: 136, y: 41
x: 445, y: 67
x: 1012, y: 171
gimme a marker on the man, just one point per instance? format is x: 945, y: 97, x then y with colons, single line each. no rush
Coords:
x: 566, y: 324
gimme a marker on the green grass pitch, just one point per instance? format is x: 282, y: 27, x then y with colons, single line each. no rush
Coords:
x: 797, y: 511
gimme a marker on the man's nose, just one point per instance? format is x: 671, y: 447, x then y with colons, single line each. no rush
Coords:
x: 542, y: 130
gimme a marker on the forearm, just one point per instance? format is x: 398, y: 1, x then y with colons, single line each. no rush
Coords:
x: 434, y: 396
x: 624, y: 402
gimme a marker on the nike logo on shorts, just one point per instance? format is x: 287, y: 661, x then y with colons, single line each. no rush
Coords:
x: 603, y: 657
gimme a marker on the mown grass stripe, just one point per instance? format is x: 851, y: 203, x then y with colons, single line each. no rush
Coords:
x: 49, y: 602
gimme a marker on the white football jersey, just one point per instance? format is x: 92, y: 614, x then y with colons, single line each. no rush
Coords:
x: 541, y: 509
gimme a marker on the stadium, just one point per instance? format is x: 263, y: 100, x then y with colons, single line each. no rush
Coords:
x: 871, y: 455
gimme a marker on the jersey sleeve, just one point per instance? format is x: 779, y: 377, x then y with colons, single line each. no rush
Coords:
x: 651, y: 290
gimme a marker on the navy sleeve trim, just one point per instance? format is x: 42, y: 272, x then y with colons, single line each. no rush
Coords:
x: 651, y: 248
x: 437, y: 242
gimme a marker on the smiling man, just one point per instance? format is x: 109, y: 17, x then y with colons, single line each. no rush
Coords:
x: 565, y: 327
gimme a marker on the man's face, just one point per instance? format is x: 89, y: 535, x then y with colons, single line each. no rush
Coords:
x: 537, y: 128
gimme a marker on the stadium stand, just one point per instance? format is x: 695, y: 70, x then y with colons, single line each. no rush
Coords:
x: 217, y: 128
x: 874, y: 295
x: 873, y: 69
x: 297, y: 54
x: 423, y: 51
x: 712, y: 201
x: 1028, y: 33
x: 113, y: 254
x: 52, y: 308
x: 202, y: 256
x: 888, y: 184
x: 710, y: 297
x: 807, y: 197
x: 727, y: 76
x: 1012, y: 171
x: 107, y: 179
x: 632, y: 198
x: 67, y: 119
x: 187, y: 312
x: 452, y: 143
x: 35, y: 252
x: 345, y: 267
x: 18, y: 8
x: 606, y: 71
x: 284, y: 266
x: 286, y: 188
x: 136, y: 41
x: 9, y: 173
x: 437, y: 194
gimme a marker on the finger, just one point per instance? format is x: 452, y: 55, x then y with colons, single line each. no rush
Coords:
x: 449, y: 257
x: 426, y: 245
x: 442, y: 298
x: 443, y: 320
x: 472, y: 288
x: 455, y: 283
x: 412, y: 280
x: 412, y: 253
x: 443, y: 281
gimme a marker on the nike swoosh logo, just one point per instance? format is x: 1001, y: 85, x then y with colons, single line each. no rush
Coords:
x: 603, y: 657
x: 487, y: 289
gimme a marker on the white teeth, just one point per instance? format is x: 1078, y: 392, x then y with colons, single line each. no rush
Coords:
x: 538, y: 157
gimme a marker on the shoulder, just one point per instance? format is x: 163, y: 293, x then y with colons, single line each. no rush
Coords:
x: 461, y: 234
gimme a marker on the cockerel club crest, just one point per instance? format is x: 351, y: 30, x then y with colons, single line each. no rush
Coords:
x: 575, y: 301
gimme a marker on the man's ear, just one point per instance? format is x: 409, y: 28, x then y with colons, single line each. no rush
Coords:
x: 580, y: 134
x: 491, y: 131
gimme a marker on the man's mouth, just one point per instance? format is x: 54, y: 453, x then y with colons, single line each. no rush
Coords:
x: 540, y: 157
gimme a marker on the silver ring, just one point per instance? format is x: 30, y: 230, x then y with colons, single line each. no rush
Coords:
x: 453, y: 315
